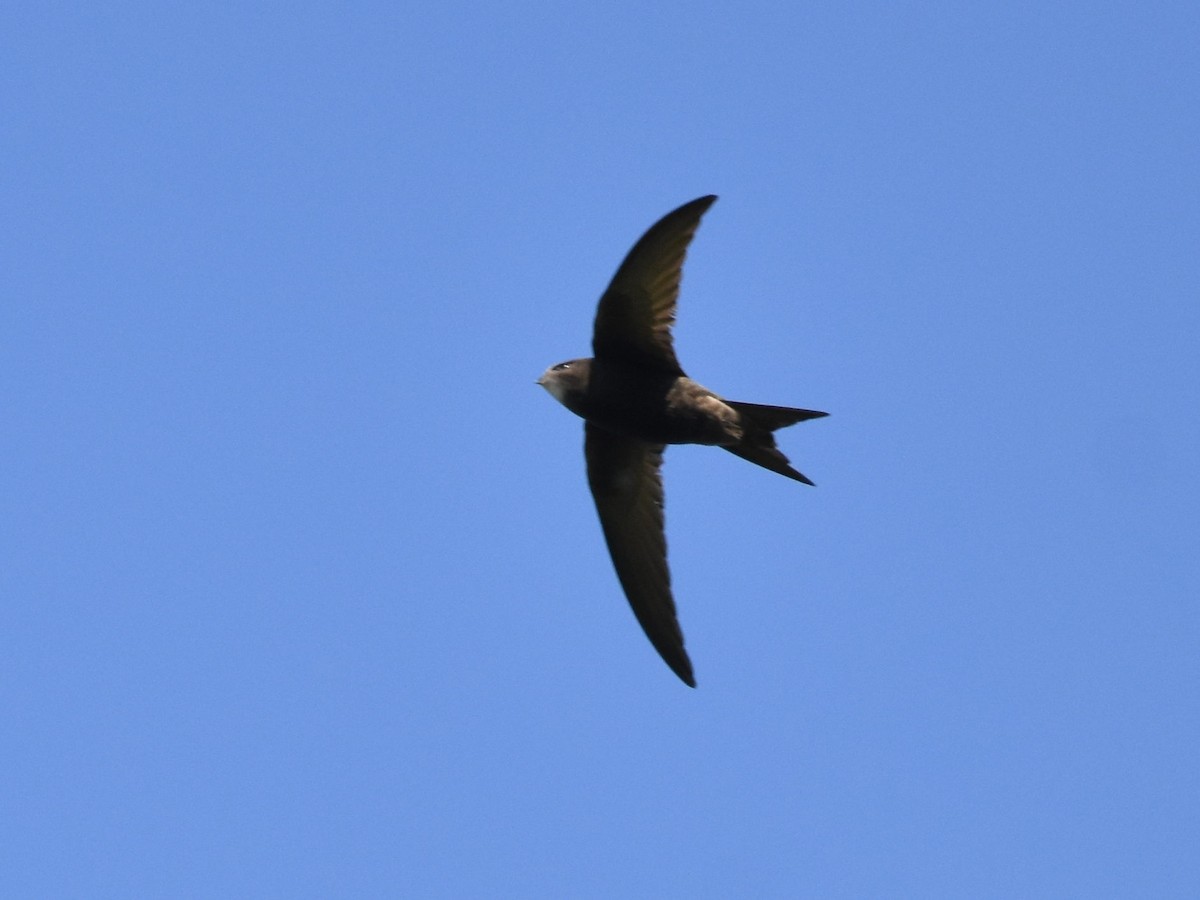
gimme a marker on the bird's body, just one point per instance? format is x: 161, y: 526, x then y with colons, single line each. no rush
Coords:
x: 647, y: 404
x: 635, y: 399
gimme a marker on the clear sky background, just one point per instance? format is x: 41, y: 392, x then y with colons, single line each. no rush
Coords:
x: 303, y: 593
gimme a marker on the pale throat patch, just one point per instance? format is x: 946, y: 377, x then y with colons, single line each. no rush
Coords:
x: 555, y: 387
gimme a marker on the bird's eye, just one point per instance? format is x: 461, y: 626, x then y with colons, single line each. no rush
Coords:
x: 562, y: 366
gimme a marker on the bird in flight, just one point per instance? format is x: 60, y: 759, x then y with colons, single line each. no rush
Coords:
x: 635, y: 399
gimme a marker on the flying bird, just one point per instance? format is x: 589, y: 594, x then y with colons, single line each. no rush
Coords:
x: 635, y: 398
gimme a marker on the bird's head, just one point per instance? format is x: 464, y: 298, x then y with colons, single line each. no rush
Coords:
x: 567, y: 381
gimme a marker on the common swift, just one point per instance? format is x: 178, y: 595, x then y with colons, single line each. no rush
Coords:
x: 635, y: 398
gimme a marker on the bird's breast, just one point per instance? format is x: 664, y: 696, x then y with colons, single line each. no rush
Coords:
x: 658, y: 408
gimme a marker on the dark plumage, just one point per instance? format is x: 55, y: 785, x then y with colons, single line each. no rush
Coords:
x: 636, y: 399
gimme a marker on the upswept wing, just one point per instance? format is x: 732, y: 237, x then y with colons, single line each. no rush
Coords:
x: 635, y: 315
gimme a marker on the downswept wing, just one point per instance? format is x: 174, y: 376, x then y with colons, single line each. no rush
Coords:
x: 635, y: 315
x: 625, y: 478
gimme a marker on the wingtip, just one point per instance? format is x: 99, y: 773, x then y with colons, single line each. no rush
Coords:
x: 680, y: 664
x: 701, y: 203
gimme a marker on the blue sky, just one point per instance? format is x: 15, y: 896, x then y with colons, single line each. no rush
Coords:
x: 303, y: 591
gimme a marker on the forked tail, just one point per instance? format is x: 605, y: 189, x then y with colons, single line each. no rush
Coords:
x: 758, y: 443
